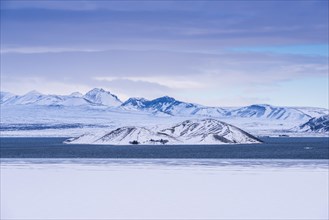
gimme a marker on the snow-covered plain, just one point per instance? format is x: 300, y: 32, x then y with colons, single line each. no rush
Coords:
x: 95, y: 119
x: 163, y: 189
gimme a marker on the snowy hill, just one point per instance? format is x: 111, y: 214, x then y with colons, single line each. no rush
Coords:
x: 203, y: 131
x: 209, y: 131
x: 318, y: 124
x: 102, y: 97
x: 123, y: 136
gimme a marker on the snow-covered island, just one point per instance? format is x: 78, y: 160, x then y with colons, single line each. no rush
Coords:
x: 202, y: 131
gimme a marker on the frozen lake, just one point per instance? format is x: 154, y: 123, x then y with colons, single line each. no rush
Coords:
x: 163, y: 189
x: 285, y: 178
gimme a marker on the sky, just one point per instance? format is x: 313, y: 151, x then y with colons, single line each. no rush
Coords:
x: 215, y: 53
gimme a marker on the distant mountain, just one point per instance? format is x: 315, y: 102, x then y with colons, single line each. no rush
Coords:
x: 163, y: 104
x: 4, y: 96
x: 166, y: 106
x: 264, y: 111
x: 135, y: 104
x: 317, y: 124
x: 313, y: 112
x: 210, y: 111
x: 102, y: 97
x: 37, y: 98
x: 93, y: 97
x: 174, y: 107
x: 202, y: 131
x: 28, y: 98
x: 76, y: 94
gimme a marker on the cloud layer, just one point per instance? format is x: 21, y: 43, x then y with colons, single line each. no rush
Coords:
x: 214, y: 53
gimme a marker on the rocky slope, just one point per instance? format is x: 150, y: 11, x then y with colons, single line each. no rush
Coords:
x: 317, y: 124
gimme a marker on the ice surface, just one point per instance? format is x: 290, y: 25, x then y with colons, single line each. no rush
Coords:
x: 163, y: 189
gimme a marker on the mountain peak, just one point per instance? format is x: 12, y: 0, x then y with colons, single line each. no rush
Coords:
x: 100, y: 96
x: 97, y: 90
x: 34, y: 92
x: 135, y: 99
x: 76, y: 94
x: 165, y: 99
x: 260, y: 105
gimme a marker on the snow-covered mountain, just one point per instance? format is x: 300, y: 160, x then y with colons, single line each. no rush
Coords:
x: 313, y: 112
x: 76, y: 94
x: 37, y: 98
x: 268, y: 112
x: 317, y: 124
x: 197, y: 131
x: 163, y: 104
x: 174, y: 107
x: 102, y: 97
x: 93, y: 97
x: 260, y: 119
x: 4, y: 96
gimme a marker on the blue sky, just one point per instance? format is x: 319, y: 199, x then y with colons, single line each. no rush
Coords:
x: 219, y: 53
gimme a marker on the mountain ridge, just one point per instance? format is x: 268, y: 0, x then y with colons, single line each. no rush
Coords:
x: 164, y: 105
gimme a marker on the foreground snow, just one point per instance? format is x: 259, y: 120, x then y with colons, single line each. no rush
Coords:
x: 163, y: 189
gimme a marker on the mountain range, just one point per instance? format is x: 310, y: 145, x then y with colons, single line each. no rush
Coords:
x: 35, y: 107
x: 166, y: 105
x: 93, y: 97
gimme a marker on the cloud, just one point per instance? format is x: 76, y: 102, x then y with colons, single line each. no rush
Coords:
x: 183, y: 49
x: 126, y: 88
x: 31, y: 50
x: 166, y: 82
x: 22, y: 85
x: 195, y: 77
x: 85, y: 5
x: 162, y: 25
x: 173, y: 69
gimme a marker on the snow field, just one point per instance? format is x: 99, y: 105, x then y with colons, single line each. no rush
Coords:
x: 151, y: 189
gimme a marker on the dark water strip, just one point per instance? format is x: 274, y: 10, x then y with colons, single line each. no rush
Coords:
x: 272, y: 148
